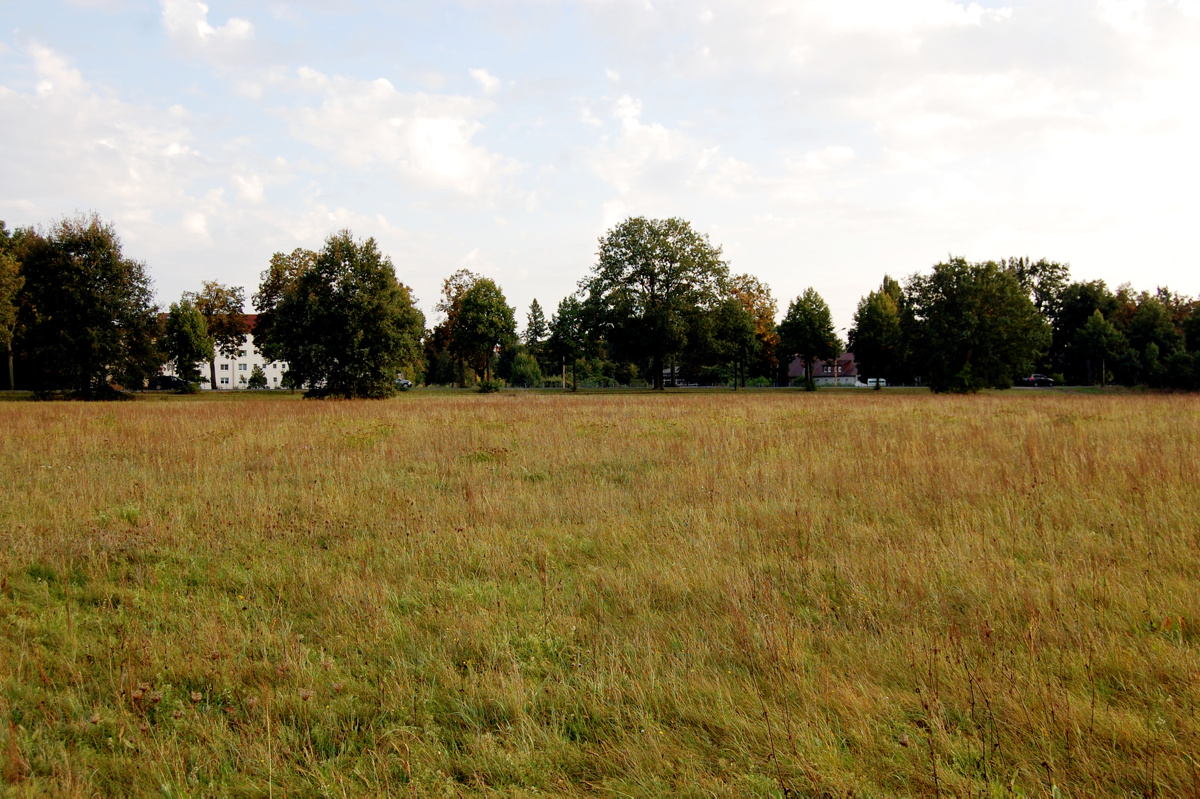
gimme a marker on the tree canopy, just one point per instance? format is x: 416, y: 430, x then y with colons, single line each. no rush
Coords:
x: 483, y: 320
x: 87, y: 314
x: 221, y: 306
x: 343, y: 323
x: 11, y: 282
x: 650, y: 275
x: 807, y: 331
x: 877, y: 338
x: 186, y: 340
x: 975, y: 326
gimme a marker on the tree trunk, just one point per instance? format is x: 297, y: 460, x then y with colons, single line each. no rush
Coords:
x: 212, y: 373
x: 574, y: 378
x: 1103, y: 372
x: 658, y: 373
x: 1089, y: 373
x: 11, y: 384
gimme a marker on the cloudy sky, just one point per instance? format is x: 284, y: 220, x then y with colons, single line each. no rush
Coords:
x: 819, y: 142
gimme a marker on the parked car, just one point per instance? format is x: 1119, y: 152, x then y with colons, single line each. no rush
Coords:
x: 403, y: 383
x: 872, y: 382
x: 167, y: 383
x: 1036, y: 381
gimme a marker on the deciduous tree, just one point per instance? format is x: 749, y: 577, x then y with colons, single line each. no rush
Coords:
x: 976, y: 326
x: 221, y: 306
x: 483, y: 321
x: 87, y: 317
x: 756, y: 298
x: 10, y: 284
x: 186, y: 340
x: 807, y: 332
x: 344, y: 324
x: 1100, y: 344
x: 650, y: 276
x: 876, y: 338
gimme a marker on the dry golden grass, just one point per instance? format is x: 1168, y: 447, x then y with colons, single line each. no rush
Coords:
x: 867, y: 593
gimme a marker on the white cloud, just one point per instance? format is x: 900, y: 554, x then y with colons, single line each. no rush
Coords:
x: 186, y: 22
x: 488, y: 82
x: 250, y: 188
x: 424, y: 138
x: 654, y: 159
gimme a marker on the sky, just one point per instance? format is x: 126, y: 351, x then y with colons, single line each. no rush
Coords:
x: 819, y: 143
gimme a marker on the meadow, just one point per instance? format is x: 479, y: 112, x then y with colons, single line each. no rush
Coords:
x: 846, y: 593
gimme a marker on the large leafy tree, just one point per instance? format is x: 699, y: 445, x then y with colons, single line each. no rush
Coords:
x: 186, y: 340
x: 1042, y: 280
x: 975, y: 326
x: 1076, y: 305
x: 483, y: 320
x: 756, y: 298
x: 221, y: 306
x: 877, y: 338
x: 1100, y: 344
x: 568, y: 341
x: 734, y: 335
x: 650, y: 277
x: 806, y: 331
x: 10, y: 285
x: 87, y: 316
x: 343, y: 323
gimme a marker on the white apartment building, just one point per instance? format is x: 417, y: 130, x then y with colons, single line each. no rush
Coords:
x: 234, y: 373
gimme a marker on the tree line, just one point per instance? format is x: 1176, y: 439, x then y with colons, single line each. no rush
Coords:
x: 659, y: 305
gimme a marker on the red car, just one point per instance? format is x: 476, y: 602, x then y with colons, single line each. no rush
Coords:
x: 1036, y: 381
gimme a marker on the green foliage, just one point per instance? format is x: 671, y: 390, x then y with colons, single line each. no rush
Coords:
x: 1152, y: 324
x: 1191, y: 330
x: 734, y: 336
x: 650, y: 277
x: 1042, y: 280
x: 1100, y: 343
x: 525, y: 371
x: 258, y: 378
x: 489, y: 386
x: 221, y: 306
x: 186, y: 340
x: 568, y: 335
x: 11, y: 282
x: 756, y: 298
x: 483, y: 320
x: 536, y: 329
x: 876, y: 338
x: 341, y: 321
x: 1076, y: 304
x: 807, y: 332
x: 87, y: 317
x: 974, y: 326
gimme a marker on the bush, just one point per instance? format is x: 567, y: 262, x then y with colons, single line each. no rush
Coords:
x: 525, y: 371
x: 490, y: 386
x: 758, y: 382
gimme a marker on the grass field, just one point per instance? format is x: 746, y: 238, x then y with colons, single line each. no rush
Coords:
x: 698, y: 594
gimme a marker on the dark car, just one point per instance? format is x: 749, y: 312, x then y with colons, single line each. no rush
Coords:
x: 167, y: 383
x: 1036, y: 381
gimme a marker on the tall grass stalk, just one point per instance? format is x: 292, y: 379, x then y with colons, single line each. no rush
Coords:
x: 870, y: 593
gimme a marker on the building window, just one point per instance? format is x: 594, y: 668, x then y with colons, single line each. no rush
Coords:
x: 242, y: 379
x: 224, y: 367
x: 242, y: 367
x: 241, y: 353
x: 224, y: 381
